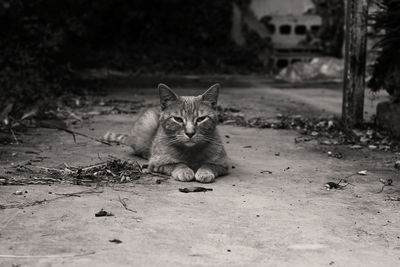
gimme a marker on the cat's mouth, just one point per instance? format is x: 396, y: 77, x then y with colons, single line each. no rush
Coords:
x: 189, y: 143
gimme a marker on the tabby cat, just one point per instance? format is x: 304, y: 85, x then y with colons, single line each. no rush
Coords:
x: 180, y: 137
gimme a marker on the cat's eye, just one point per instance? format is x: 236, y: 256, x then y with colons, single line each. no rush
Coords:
x: 178, y: 119
x: 200, y: 119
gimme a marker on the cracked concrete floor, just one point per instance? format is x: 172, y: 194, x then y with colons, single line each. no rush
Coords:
x: 251, y: 218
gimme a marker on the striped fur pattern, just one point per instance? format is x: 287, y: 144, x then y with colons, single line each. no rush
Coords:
x: 114, y: 137
x: 180, y: 138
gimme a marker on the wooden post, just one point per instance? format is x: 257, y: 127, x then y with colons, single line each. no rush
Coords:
x: 355, y: 61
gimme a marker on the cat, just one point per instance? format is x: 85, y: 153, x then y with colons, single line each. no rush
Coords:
x: 180, y: 138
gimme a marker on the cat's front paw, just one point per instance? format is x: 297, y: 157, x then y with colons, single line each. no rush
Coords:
x: 204, y: 175
x: 183, y: 174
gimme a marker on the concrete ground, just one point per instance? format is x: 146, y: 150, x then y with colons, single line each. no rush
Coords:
x: 272, y: 210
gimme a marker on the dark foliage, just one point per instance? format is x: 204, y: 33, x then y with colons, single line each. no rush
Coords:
x: 332, y: 30
x: 386, y: 69
x: 42, y: 40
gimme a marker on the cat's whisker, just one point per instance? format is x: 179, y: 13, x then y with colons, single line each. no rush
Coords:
x: 212, y: 141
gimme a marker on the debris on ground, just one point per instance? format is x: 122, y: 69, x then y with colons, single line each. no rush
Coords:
x: 390, y: 198
x: 93, y: 190
x: 333, y: 185
x: 103, y: 213
x: 194, y: 189
x: 385, y: 182
x: 327, y: 131
x: 337, y: 155
x: 112, y: 171
x: 397, y: 165
x: 18, y: 193
x: 356, y: 147
x: 61, y: 114
x: 116, y: 241
x: 363, y: 172
x: 123, y: 203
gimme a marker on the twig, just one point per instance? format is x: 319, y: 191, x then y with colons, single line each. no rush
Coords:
x: 393, y: 198
x: 46, y: 256
x: 380, y: 191
x: 94, y: 166
x: 38, y: 202
x: 66, y: 130
x: 13, y: 134
x: 122, y: 201
x: 78, y: 133
x: 140, y: 167
x: 48, y: 169
x: 166, y: 177
x: 77, y: 194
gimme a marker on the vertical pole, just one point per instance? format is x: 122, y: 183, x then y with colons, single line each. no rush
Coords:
x: 355, y: 61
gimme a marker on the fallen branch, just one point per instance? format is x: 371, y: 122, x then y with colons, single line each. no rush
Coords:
x: 122, y: 201
x: 46, y: 256
x: 15, y: 137
x: 77, y: 194
x: 166, y: 177
x: 38, y: 202
x: 50, y: 126
x: 77, y: 133
x: 385, y: 183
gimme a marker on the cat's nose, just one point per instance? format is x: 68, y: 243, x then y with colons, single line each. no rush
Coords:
x: 190, y: 134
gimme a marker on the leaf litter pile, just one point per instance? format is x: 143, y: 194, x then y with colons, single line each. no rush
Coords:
x: 60, y: 114
x: 325, y: 131
x: 112, y: 171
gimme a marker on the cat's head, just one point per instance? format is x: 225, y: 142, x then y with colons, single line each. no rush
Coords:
x: 189, y: 120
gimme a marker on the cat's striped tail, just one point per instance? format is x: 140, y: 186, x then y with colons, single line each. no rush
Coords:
x: 117, y: 138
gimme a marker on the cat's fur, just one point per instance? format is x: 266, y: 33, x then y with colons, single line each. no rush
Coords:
x: 180, y: 137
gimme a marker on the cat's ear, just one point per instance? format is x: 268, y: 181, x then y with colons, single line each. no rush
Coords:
x: 167, y: 96
x: 211, y: 95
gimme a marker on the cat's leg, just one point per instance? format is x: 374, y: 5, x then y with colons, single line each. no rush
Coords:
x: 208, y: 172
x: 179, y: 171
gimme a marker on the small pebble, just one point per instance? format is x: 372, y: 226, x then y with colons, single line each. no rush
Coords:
x: 397, y: 165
